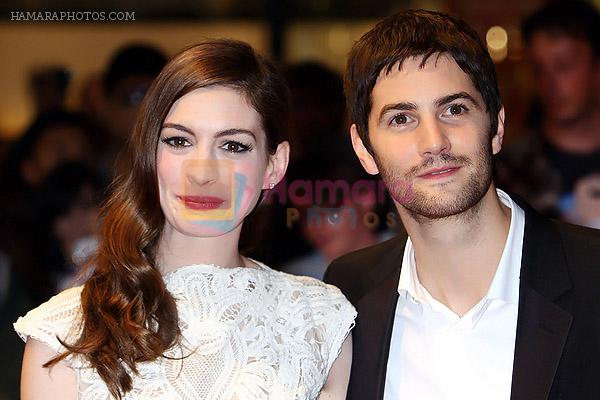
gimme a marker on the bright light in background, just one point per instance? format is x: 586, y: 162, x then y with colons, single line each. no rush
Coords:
x: 339, y: 39
x: 86, y: 48
x: 497, y: 43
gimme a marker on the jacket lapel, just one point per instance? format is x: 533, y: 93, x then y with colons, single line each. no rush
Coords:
x: 542, y: 326
x: 373, y: 331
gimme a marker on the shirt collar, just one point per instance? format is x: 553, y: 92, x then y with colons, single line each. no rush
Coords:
x: 504, y: 286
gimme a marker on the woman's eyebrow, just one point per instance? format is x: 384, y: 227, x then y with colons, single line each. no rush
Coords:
x: 179, y: 127
x: 225, y: 132
x: 235, y: 131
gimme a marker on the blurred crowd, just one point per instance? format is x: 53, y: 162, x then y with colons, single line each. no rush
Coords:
x: 555, y: 164
x: 55, y: 175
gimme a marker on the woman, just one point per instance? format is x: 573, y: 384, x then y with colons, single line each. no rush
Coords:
x: 172, y: 309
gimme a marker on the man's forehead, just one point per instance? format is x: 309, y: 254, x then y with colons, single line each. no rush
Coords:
x: 437, y: 76
x: 414, y: 63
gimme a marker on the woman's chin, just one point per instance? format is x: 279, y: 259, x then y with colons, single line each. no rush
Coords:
x: 206, y: 228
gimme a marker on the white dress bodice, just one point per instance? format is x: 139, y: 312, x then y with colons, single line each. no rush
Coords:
x: 247, y: 333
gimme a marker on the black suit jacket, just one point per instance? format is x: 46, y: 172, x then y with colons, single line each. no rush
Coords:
x: 557, y: 349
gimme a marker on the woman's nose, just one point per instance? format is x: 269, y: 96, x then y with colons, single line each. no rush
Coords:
x: 202, y: 172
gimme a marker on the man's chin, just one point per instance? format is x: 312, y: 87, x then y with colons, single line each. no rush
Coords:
x: 421, y: 213
x: 441, y: 204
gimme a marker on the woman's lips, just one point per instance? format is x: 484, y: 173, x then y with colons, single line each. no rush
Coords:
x: 201, y: 202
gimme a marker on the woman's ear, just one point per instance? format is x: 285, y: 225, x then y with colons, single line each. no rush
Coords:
x: 366, y: 159
x: 277, y: 165
x: 498, y: 138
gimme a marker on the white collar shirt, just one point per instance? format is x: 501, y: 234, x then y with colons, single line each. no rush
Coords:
x: 437, y: 355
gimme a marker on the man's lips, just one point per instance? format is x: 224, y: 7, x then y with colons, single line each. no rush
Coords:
x: 436, y: 173
x: 201, y: 202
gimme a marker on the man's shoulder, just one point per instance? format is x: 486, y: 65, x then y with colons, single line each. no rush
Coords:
x: 354, y: 271
x: 564, y: 256
x: 581, y: 247
x: 560, y: 242
x: 580, y: 235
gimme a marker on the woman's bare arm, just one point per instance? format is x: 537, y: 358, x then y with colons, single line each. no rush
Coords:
x: 337, y: 382
x: 37, y: 382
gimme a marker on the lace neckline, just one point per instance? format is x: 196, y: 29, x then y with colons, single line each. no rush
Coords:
x: 258, y: 267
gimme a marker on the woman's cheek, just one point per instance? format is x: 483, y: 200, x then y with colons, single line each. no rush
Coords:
x: 170, y: 181
x: 247, y: 189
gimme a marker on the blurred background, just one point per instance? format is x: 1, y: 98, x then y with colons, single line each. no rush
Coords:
x: 289, y: 30
x: 69, y: 93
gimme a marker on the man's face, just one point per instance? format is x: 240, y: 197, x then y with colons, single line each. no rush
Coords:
x: 566, y: 76
x: 429, y: 132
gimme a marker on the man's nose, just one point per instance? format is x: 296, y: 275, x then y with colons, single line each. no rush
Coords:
x: 433, y: 140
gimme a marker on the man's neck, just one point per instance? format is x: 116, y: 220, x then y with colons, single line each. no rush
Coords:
x: 580, y: 136
x: 457, y: 257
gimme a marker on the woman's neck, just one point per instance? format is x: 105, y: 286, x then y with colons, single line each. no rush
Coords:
x: 176, y: 250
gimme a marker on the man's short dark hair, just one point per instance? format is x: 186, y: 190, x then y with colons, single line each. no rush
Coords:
x: 416, y: 33
x: 577, y: 19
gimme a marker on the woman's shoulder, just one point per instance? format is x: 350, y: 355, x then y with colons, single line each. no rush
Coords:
x: 307, y: 287
x: 54, y: 321
x: 320, y: 309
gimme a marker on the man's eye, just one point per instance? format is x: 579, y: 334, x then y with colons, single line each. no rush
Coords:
x: 399, y: 119
x: 176, y: 141
x: 236, y: 147
x: 457, y: 109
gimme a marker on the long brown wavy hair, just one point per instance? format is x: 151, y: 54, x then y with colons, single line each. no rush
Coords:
x: 128, y: 315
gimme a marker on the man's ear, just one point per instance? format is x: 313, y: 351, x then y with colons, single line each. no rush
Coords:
x: 277, y: 165
x: 366, y: 159
x: 498, y: 138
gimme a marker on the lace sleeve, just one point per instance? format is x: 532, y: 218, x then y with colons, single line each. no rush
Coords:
x: 339, y: 323
x: 54, y: 319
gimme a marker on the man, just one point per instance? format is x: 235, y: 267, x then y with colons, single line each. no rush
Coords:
x: 562, y: 151
x: 484, y: 299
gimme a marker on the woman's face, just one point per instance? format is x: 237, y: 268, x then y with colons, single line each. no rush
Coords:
x: 212, y: 162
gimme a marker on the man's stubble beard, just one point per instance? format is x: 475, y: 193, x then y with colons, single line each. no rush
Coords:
x: 424, y: 207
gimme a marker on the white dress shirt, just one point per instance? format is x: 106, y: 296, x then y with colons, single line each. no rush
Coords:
x: 437, y: 355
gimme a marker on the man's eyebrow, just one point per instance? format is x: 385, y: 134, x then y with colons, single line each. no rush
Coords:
x: 402, y: 106
x: 455, y: 96
x: 225, y: 132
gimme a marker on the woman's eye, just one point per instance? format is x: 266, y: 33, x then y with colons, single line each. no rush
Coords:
x: 399, y: 119
x: 176, y: 141
x: 236, y: 147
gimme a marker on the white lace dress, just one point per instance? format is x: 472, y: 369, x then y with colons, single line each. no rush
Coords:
x: 248, y: 333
